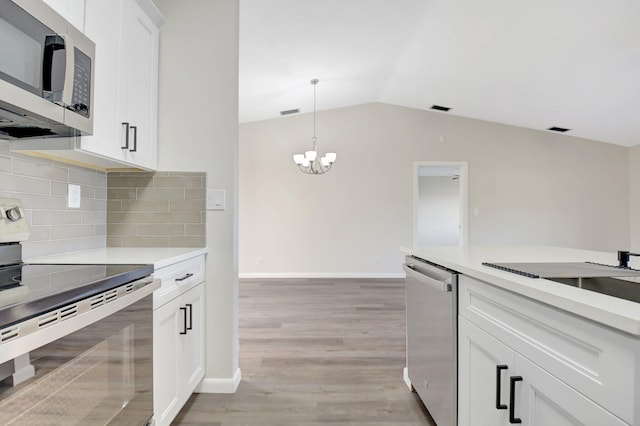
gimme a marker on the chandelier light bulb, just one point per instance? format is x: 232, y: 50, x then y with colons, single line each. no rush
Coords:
x: 298, y: 158
x: 331, y: 157
x: 311, y: 155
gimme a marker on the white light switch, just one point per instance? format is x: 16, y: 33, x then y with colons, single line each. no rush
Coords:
x: 73, y: 199
x: 215, y: 199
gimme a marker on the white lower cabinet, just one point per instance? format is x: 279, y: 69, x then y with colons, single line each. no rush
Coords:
x: 178, y: 345
x: 523, y: 362
x: 498, y: 386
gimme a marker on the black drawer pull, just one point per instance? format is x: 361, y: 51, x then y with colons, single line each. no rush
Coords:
x: 184, y: 277
x: 512, y: 399
x: 499, y: 405
x: 126, y: 135
x: 135, y: 139
x: 184, y: 310
x: 190, y: 326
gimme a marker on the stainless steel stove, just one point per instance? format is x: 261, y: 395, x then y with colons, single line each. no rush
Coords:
x: 75, y: 340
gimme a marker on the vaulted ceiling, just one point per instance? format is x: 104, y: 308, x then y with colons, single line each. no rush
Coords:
x: 567, y: 63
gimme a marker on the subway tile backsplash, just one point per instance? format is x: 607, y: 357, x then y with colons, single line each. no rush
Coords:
x: 121, y: 209
x: 41, y: 185
x: 156, y: 209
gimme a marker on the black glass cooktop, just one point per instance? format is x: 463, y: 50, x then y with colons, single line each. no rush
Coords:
x: 28, y: 290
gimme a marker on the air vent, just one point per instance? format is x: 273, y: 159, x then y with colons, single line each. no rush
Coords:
x: 9, y: 333
x: 68, y: 312
x: 96, y: 301
x: 440, y: 108
x: 111, y: 295
x: 290, y: 111
x: 558, y: 129
x: 48, y: 319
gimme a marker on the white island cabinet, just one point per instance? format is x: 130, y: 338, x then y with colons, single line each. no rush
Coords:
x: 536, y: 352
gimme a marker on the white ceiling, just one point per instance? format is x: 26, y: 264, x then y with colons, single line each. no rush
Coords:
x: 535, y: 64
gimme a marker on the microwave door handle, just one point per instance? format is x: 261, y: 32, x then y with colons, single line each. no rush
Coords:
x: 53, y: 43
x: 69, y: 70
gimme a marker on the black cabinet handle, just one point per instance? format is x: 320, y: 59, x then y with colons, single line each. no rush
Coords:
x: 126, y: 135
x: 135, y: 139
x: 184, y: 309
x: 512, y: 399
x: 190, y: 326
x: 499, y: 405
x: 184, y: 277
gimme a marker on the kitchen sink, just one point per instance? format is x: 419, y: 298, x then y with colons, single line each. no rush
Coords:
x: 623, y: 288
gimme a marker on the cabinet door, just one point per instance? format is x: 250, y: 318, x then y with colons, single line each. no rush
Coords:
x: 192, y: 343
x: 103, y: 28
x: 166, y: 378
x: 71, y: 10
x: 542, y: 400
x: 139, y: 85
x: 479, y: 356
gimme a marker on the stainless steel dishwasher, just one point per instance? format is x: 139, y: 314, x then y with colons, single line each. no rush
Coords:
x: 432, y: 332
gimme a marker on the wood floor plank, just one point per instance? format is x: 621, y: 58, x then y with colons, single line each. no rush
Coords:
x: 317, y: 352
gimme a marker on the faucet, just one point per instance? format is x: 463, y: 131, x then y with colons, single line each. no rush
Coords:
x: 623, y: 258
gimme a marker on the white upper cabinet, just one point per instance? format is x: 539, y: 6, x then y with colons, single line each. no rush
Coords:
x: 126, y: 34
x: 71, y: 10
x: 138, y: 94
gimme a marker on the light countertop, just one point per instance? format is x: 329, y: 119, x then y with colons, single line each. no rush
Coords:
x: 617, y: 313
x: 158, y: 256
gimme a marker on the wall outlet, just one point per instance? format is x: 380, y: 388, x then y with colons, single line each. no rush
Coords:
x: 73, y: 196
x: 260, y: 260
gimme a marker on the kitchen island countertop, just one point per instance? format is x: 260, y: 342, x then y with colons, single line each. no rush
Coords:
x: 158, y: 256
x: 620, y: 314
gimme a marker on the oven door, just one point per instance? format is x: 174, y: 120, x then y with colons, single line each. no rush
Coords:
x: 101, y: 374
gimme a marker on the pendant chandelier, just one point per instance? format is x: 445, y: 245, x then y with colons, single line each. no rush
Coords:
x: 310, y: 162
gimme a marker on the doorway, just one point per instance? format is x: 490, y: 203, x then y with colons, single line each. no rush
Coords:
x: 440, y: 203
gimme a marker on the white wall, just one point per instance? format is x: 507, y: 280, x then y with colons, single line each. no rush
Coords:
x: 634, y: 197
x: 530, y: 187
x: 438, y: 215
x: 198, y: 131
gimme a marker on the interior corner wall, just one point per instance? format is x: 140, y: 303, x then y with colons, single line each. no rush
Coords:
x: 529, y: 187
x: 634, y: 199
x: 198, y: 131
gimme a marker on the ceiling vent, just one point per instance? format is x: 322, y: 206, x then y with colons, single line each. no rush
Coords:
x: 558, y: 129
x: 290, y: 111
x: 440, y: 108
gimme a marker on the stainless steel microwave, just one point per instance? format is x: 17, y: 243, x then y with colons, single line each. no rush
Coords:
x: 46, y: 73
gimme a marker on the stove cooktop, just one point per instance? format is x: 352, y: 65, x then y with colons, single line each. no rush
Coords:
x: 28, y: 290
x: 564, y: 269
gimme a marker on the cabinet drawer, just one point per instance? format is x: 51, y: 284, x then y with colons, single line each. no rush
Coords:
x: 598, y: 362
x: 177, y: 279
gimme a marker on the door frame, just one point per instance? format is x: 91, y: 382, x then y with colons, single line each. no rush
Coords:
x: 463, y: 166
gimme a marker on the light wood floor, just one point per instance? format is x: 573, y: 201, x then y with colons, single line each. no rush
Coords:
x: 317, y: 352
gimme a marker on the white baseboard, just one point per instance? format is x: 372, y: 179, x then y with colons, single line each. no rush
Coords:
x: 280, y: 275
x: 405, y: 377
x: 213, y: 385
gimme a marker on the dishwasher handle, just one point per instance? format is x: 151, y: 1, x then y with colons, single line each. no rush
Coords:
x: 444, y: 285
